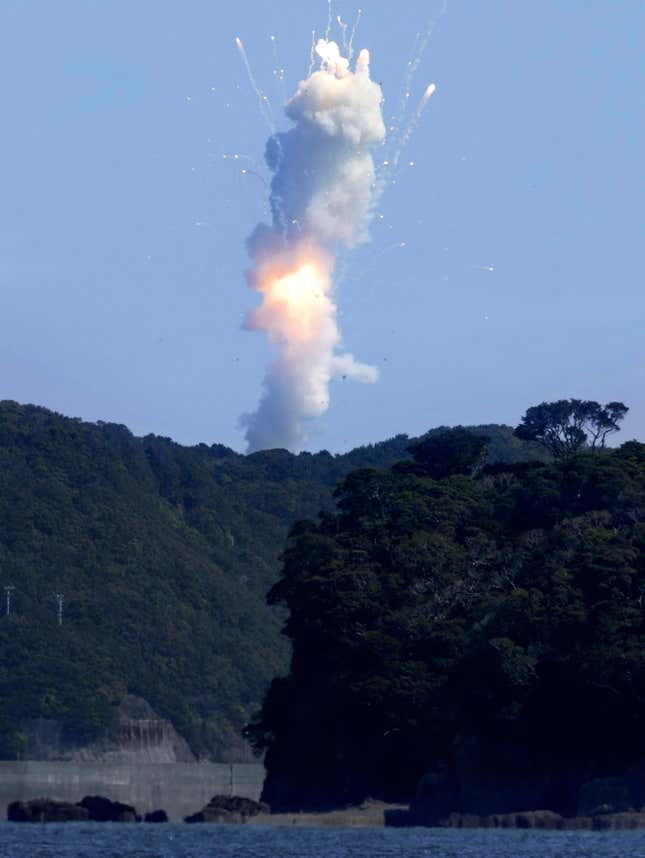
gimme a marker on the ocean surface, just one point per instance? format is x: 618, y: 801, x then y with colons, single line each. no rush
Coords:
x: 80, y: 840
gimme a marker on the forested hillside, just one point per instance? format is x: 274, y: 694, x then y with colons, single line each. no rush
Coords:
x: 486, y: 624
x: 163, y: 554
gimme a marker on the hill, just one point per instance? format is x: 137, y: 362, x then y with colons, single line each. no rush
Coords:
x: 482, y: 624
x: 164, y: 554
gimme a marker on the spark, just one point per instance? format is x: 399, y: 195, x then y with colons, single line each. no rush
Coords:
x: 421, y: 42
x: 392, y: 163
x: 400, y: 133
x: 414, y: 122
x: 278, y: 70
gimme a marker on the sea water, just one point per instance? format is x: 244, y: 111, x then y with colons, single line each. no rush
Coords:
x: 81, y: 840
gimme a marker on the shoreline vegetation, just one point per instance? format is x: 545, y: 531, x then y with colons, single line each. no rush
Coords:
x: 472, y: 630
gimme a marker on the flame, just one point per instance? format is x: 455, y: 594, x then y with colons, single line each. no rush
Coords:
x: 300, y: 299
x: 427, y: 95
x: 296, y: 305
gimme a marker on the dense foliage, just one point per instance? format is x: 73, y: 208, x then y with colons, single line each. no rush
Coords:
x: 570, y: 425
x: 164, y: 555
x: 448, y: 610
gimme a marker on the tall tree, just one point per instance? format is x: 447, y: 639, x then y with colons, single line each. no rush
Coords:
x: 569, y: 425
x: 489, y: 629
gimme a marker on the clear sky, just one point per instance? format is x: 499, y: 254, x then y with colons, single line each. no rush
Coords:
x: 122, y: 226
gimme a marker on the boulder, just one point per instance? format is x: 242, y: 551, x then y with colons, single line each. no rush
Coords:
x: 231, y: 809
x: 542, y: 819
x: 102, y: 809
x: 46, y: 810
x: 156, y: 816
x: 604, y: 796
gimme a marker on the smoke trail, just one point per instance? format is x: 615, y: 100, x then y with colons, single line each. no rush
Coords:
x: 263, y: 102
x: 400, y: 132
x: 321, y: 198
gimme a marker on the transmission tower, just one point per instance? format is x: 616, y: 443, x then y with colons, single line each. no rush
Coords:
x: 60, y: 600
x: 8, y: 591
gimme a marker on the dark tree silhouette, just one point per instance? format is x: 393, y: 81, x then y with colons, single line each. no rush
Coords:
x: 569, y: 425
x: 443, y: 454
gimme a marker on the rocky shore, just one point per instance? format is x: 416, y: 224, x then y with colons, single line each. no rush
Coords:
x: 604, y: 804
x: 93, y: 808
x: 546, y: 819
x: 369, y: 814
x: 220, y: 809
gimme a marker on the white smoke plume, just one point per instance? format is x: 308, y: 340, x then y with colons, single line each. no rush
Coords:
x: 321, y: 199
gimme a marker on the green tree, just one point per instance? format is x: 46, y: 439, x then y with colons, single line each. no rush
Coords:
x: 452, y: 451
x: 569, y: 425
x: 463, y: 624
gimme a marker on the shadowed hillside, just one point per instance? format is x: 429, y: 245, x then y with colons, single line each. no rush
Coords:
x: 164, y: 555
x: 481, y: 624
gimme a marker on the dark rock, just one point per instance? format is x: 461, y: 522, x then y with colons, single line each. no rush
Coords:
x: 618, y: 821
x: 156, y: 816
x: 542, y: 819
x: 102, y: 809
x: 577, y: 823
x: 546, y: 819
x: 397, y: 818
x: 538, y: 819
x: 231, y: 809
x: 46, y: 810
x: 604, y: 796
x: 239, y: 804
x: 217, y: 815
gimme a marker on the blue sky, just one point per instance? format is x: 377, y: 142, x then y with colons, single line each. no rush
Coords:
x: 122, y: 227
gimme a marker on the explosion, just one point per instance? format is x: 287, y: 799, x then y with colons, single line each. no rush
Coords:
x: 323, y: 193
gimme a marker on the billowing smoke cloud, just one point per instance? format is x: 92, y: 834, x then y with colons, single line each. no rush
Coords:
x: 321, y: 198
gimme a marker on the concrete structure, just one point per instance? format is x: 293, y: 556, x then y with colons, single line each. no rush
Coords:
x: 178, y: 788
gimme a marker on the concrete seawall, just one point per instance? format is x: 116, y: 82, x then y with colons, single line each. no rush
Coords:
x: 178, y: 788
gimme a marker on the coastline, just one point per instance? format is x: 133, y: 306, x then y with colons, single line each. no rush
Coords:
x: 369, y: 814
x: 375, y: 814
